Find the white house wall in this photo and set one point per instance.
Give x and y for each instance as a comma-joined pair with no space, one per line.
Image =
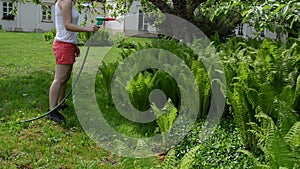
27,21
8,25
132,21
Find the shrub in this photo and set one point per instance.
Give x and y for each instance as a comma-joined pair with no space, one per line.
259,76
49,36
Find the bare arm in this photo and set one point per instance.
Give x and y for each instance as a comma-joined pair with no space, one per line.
66,8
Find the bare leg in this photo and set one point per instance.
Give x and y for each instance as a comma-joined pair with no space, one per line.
62,75
62,94
63,90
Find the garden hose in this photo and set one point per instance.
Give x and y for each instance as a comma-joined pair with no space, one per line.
68,93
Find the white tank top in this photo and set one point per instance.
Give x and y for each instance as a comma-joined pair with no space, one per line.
61,33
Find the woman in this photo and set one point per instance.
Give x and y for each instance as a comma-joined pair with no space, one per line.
65,50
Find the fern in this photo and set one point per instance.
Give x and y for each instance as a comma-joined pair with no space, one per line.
106,72
165,120
280,151
168,85
296,104
266,97
139,90
170,161
166,116
186,161
243,113
293,136
262,79
202,80
257,164
189,158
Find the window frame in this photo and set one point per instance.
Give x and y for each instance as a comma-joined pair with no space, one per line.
47,14
7,7
240,30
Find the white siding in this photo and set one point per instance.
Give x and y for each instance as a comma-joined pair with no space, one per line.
27,17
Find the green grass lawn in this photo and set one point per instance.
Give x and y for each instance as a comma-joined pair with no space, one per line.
26,72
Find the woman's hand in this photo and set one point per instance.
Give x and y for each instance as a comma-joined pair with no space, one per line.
77,51
95,28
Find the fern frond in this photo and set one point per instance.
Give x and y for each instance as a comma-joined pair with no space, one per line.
257,164
296,166
277,150
189,158
258,132
293,136
170,161
252,95
297,95
286,118
266,96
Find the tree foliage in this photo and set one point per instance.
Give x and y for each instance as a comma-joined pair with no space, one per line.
278,16
217,17
222,16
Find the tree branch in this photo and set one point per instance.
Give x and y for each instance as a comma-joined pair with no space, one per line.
180,8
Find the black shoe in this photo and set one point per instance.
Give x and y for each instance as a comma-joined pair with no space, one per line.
57,117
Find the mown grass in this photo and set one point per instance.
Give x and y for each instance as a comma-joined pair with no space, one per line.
26,72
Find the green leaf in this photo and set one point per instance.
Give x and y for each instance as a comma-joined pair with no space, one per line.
247,12
267,7
293,136
279,8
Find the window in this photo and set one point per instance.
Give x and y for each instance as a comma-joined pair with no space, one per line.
7,8
240,29
141,20
47,13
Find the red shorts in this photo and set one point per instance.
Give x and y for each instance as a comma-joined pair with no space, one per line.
64,52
